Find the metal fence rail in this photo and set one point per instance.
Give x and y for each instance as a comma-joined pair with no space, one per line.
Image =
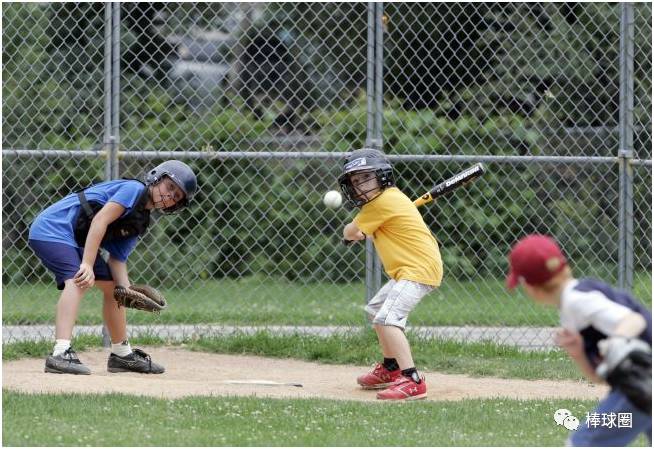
263,99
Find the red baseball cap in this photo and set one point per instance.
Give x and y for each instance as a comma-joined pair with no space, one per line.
535,259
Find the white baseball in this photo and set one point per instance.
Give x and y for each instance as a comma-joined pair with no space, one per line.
332,199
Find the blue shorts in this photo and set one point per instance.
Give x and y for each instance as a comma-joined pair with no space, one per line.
615,403
64,261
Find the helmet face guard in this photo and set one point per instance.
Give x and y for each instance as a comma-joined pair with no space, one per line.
181,174
367,160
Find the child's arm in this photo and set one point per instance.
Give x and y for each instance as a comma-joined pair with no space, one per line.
629,326
572,343
119,272
352,232
109,213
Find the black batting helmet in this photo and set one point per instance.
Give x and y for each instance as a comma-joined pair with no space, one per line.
361,161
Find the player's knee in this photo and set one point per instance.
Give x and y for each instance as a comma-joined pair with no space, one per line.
107,288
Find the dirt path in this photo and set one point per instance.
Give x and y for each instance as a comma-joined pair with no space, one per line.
201,374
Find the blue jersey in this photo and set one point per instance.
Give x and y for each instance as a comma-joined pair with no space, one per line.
593,308
57,222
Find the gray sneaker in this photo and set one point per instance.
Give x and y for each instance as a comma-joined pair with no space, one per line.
138,361
66,363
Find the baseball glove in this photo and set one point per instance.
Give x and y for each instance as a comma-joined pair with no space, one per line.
627,367
140,297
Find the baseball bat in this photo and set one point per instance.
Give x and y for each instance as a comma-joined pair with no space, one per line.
459,180
450,184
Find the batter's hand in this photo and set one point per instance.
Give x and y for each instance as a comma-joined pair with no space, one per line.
359,236
570,341
84,278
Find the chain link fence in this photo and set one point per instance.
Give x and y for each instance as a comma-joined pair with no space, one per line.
263,99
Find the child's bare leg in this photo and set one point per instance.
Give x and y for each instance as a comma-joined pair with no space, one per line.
115,318
382,342
122,357
67,308
395,345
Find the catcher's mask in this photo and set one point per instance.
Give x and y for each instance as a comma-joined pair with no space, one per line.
365,161
181,174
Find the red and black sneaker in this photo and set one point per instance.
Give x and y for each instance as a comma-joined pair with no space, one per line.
378,378
404,388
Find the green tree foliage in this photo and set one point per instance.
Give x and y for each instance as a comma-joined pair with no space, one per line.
448,67
53,75
255,216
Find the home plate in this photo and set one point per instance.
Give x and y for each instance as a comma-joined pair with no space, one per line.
270,383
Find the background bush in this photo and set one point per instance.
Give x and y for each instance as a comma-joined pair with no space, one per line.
253,216
266,215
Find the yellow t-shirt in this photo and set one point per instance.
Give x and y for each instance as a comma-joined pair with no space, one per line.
405,245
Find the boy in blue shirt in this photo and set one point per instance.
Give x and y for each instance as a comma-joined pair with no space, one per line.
592,314
67,237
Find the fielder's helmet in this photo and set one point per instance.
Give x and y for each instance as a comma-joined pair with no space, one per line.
181,174
365,160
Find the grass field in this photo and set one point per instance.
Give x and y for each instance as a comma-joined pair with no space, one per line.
100,420
476,359
78,420
117,420
255,301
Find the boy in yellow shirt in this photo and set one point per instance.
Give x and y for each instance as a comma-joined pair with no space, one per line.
411,258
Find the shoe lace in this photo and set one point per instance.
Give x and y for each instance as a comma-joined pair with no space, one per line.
144,355
71,356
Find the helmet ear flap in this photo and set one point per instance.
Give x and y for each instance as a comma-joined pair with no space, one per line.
152,177
385,177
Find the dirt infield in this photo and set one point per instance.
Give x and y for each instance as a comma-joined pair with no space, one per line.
201,374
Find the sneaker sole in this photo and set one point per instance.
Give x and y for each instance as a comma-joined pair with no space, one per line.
124,370
120,370
408,398
376,386
56,371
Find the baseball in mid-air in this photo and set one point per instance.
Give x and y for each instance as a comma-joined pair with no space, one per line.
332,199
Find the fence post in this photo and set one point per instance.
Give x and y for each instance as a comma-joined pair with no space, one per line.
111,88
370,124
111,102
108,144
107,90
379,110
626,149
374,97
115,88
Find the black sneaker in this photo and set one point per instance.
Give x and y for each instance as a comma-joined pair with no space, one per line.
138,361
66,363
